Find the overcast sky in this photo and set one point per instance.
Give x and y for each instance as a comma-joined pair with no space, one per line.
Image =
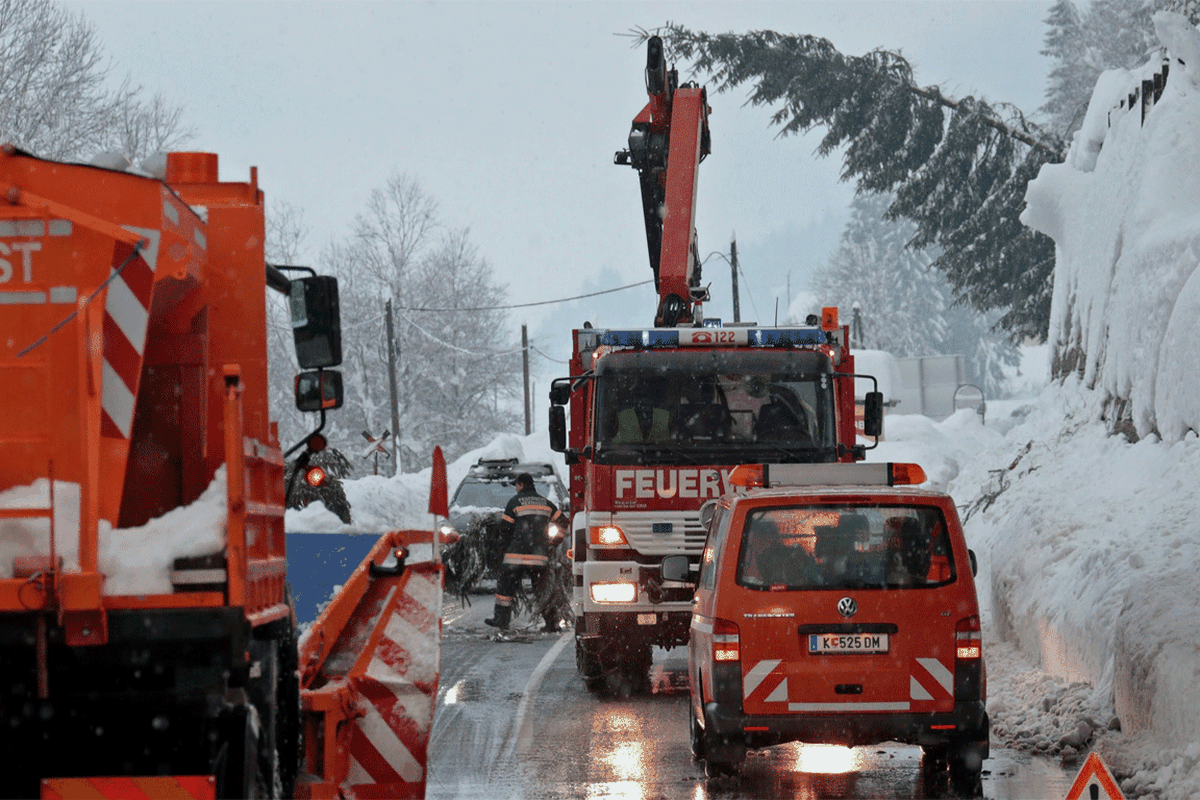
508,115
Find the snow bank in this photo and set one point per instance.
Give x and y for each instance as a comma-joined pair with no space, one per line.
1087,544
379,504
1124,212
26,537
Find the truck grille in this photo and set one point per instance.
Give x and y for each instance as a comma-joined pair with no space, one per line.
646,531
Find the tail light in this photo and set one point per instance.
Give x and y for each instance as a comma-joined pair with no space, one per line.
315,477
968,639
726,641
968,660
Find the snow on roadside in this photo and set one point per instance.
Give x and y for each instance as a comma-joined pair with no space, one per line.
1087,546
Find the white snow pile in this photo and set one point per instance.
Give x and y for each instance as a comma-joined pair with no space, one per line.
133,561
1123,212
379,504
30,537
139,560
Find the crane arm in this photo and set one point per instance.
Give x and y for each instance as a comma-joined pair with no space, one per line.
668,140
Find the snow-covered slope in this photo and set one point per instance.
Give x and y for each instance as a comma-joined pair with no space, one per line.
1124,212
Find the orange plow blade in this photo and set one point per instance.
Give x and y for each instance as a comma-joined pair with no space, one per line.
369,673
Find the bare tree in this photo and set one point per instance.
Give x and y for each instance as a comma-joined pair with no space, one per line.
144,128
57,96
457,370
285,234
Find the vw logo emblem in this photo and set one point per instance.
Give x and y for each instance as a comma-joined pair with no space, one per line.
847,607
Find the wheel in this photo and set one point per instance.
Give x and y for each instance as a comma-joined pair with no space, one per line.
720,769
588,665
697,733
722,757
287,736
966,767
236,764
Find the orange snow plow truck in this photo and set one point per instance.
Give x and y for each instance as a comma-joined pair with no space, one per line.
148,646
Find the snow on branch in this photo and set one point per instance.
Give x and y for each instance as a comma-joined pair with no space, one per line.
958,167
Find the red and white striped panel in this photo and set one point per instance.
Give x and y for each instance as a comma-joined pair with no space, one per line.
160,787
126,313
930,680
389,743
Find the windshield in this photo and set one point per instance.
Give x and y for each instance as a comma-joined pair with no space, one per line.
484,494
714,407
497,493
845,547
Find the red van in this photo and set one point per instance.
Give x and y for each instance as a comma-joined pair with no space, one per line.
835,604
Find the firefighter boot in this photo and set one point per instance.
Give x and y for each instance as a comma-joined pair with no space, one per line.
500,617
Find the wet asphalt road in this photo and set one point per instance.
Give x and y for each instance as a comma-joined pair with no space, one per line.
514,721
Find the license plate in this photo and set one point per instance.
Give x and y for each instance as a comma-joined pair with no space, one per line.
847,643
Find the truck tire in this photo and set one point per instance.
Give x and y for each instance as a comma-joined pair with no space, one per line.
287,721
587,662
696,732
966,767
236,768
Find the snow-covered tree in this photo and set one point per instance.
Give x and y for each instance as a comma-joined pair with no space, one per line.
1085,40
903,302
57,94
284,245
958,168
457,380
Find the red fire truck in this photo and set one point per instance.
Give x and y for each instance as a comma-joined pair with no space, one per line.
659,416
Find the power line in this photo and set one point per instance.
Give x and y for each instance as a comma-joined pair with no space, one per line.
527,305
549,358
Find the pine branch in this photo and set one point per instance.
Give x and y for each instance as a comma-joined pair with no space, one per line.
958,167
1052,148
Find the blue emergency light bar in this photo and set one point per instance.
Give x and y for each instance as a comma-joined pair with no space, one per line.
711,337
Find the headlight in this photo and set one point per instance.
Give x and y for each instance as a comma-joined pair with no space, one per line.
446,528
607,535
614,592
553,532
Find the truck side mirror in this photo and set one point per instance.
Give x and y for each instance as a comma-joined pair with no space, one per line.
558,429
316,321
560,391
319,390
675,568
873,414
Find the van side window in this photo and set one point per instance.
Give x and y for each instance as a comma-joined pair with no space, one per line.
718,533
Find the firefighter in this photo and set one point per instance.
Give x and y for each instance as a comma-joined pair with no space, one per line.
526,537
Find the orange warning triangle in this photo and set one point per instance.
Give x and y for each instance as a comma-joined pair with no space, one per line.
1094,770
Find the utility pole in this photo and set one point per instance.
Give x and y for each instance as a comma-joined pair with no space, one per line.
397,466
525,360
737,309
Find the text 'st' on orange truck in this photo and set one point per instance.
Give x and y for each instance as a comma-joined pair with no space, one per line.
835,604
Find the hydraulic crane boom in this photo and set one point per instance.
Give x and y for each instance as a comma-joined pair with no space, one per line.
667,142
